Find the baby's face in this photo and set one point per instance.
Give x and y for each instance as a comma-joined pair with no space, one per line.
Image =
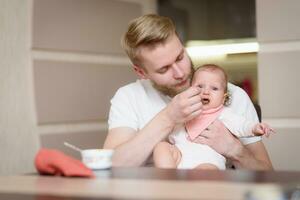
212,85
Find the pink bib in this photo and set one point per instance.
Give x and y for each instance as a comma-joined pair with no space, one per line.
195,126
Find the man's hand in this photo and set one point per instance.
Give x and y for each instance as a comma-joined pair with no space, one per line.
253,156
185,106
218,137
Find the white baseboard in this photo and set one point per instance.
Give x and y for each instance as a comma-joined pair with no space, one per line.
284,123
72,128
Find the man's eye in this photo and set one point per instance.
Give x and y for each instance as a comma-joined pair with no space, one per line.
179,58
200,86
215,88
163,70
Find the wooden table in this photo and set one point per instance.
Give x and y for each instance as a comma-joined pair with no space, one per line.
152,183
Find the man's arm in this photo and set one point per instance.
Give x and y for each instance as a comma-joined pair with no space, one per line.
132,148
251,156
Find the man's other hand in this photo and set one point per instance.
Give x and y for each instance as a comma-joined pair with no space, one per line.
218,137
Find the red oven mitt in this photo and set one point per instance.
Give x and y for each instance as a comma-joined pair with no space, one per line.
54,162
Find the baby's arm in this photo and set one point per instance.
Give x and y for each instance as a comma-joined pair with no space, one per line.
262,129
242,127
237,124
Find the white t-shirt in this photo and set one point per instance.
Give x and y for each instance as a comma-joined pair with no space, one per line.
135,104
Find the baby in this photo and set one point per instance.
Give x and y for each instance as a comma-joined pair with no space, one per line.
181,152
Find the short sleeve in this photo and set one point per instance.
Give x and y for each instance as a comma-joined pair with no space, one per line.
122,111
250,140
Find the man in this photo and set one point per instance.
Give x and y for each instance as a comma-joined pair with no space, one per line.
144,113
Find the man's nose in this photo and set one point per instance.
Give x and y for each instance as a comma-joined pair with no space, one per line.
177,71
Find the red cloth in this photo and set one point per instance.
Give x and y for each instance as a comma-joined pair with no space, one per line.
53,162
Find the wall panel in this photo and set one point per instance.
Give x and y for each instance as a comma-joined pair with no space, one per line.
81,25
278,20
70,92
283,148
279,80
19,141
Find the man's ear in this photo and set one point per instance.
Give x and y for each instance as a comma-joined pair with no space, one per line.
140,72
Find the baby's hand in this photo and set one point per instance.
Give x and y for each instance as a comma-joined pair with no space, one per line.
262,129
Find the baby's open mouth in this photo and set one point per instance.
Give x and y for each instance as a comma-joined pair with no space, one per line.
205,101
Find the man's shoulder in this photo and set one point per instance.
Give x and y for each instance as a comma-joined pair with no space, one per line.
234,88
239,98
139,89
130,86
236,91
134,87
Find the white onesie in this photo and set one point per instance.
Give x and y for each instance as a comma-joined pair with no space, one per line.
194,154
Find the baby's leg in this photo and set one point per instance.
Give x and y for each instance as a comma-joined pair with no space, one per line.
207,166
166,155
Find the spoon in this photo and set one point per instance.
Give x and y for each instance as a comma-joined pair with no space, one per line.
72,147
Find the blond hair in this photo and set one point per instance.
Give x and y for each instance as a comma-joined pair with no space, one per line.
147,30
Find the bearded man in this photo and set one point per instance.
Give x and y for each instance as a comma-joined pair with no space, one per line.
146,112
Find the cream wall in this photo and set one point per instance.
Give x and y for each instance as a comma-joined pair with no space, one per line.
19,139
78,66
278,33
60,63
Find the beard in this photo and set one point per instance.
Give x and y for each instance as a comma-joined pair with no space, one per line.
172,91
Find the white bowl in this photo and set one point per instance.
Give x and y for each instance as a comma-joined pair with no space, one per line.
97,158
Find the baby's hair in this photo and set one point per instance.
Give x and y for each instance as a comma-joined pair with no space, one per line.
212,68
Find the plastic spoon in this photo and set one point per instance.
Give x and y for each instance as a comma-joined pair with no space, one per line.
72,147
